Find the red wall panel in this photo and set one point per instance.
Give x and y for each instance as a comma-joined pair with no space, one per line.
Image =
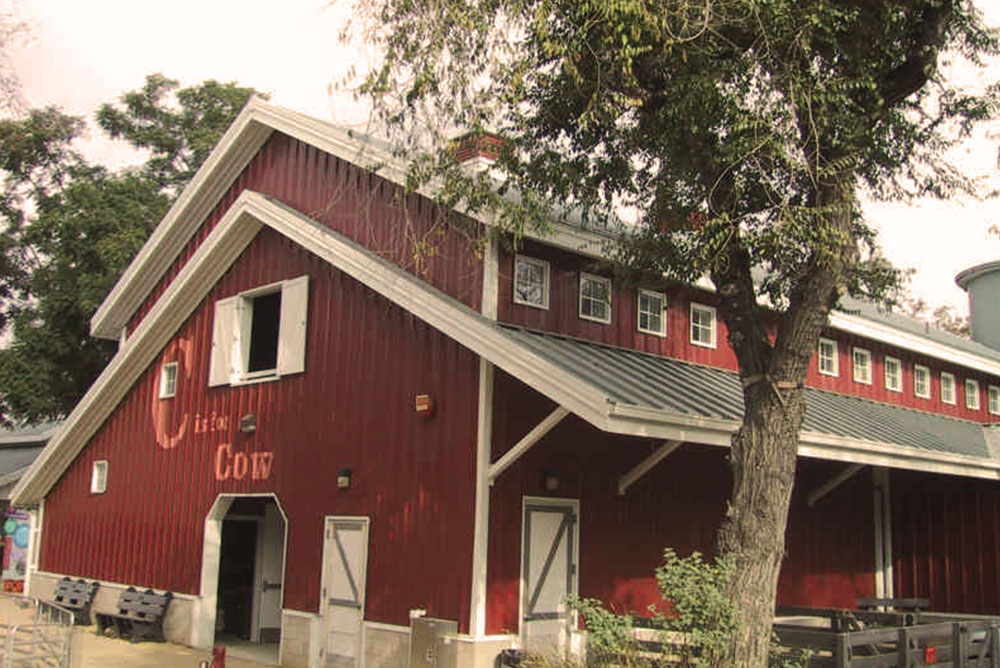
405,229
353,408
680,503
562,317
946,545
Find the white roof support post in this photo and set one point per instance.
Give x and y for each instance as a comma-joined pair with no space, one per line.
522,446
643,467
832,484
484,443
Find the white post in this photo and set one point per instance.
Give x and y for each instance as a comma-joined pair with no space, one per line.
484,443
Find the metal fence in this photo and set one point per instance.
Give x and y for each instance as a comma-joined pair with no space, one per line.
34,633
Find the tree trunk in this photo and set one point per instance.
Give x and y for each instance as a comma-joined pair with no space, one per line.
753,534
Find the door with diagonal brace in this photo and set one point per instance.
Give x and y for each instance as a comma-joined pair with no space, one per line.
345,566
548,573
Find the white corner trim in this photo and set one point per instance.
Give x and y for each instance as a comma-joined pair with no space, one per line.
886,334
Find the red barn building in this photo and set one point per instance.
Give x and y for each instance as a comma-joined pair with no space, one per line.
314,426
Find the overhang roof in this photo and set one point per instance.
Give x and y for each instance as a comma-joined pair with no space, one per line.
632,393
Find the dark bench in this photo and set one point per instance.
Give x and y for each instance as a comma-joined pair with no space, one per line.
76,595
138,615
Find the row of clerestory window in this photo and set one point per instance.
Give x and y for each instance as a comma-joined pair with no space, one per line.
861,372
532,287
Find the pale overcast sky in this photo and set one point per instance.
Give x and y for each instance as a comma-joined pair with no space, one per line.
83,53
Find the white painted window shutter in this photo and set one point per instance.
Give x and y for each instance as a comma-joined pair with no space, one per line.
292,331
223,342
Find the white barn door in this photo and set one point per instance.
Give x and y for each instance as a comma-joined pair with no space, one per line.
345,566
548,573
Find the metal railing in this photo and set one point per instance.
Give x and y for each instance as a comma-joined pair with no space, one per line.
34,633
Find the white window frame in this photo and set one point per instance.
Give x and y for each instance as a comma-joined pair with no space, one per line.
232,332
99,476
948,382
972,399
993,399
893,384
861,373
712,328
584,278
651,294
535,262
917,370
834,357
168,380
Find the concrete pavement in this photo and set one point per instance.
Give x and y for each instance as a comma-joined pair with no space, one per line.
93,651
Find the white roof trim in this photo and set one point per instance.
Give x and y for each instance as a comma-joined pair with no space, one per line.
883,333
240,225
234,151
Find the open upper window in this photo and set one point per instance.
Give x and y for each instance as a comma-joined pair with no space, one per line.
595,298
652,308
260,334
531,282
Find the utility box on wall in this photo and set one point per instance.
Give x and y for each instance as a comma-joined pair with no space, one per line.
425,635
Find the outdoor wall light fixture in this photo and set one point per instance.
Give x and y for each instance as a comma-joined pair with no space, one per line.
248,423
550,481
344,479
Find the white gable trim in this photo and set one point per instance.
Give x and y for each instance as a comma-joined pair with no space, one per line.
237,147
240,225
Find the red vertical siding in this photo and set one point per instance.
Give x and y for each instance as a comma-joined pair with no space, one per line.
405,229
945,541
680,503
353,408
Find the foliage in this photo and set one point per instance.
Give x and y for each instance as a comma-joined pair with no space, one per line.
71,228
12,30
733,134
179,127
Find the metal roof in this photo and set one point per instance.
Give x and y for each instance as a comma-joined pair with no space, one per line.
691,390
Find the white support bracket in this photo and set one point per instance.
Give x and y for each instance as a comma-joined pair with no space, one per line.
832,484
522,446
645,465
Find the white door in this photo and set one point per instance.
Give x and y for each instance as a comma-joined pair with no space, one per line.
345,565
269,575
548,573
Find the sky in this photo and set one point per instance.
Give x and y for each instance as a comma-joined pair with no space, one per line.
81,54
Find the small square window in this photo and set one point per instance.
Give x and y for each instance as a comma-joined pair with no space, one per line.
99,477
827,356
972,394
168,380
947,387
862,366
652,312
893,374
595,298
703,325
993,394
531,282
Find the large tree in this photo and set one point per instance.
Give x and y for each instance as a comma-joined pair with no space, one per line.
736,134
70,228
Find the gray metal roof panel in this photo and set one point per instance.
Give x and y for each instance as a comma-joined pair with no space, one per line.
14,459
649,381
